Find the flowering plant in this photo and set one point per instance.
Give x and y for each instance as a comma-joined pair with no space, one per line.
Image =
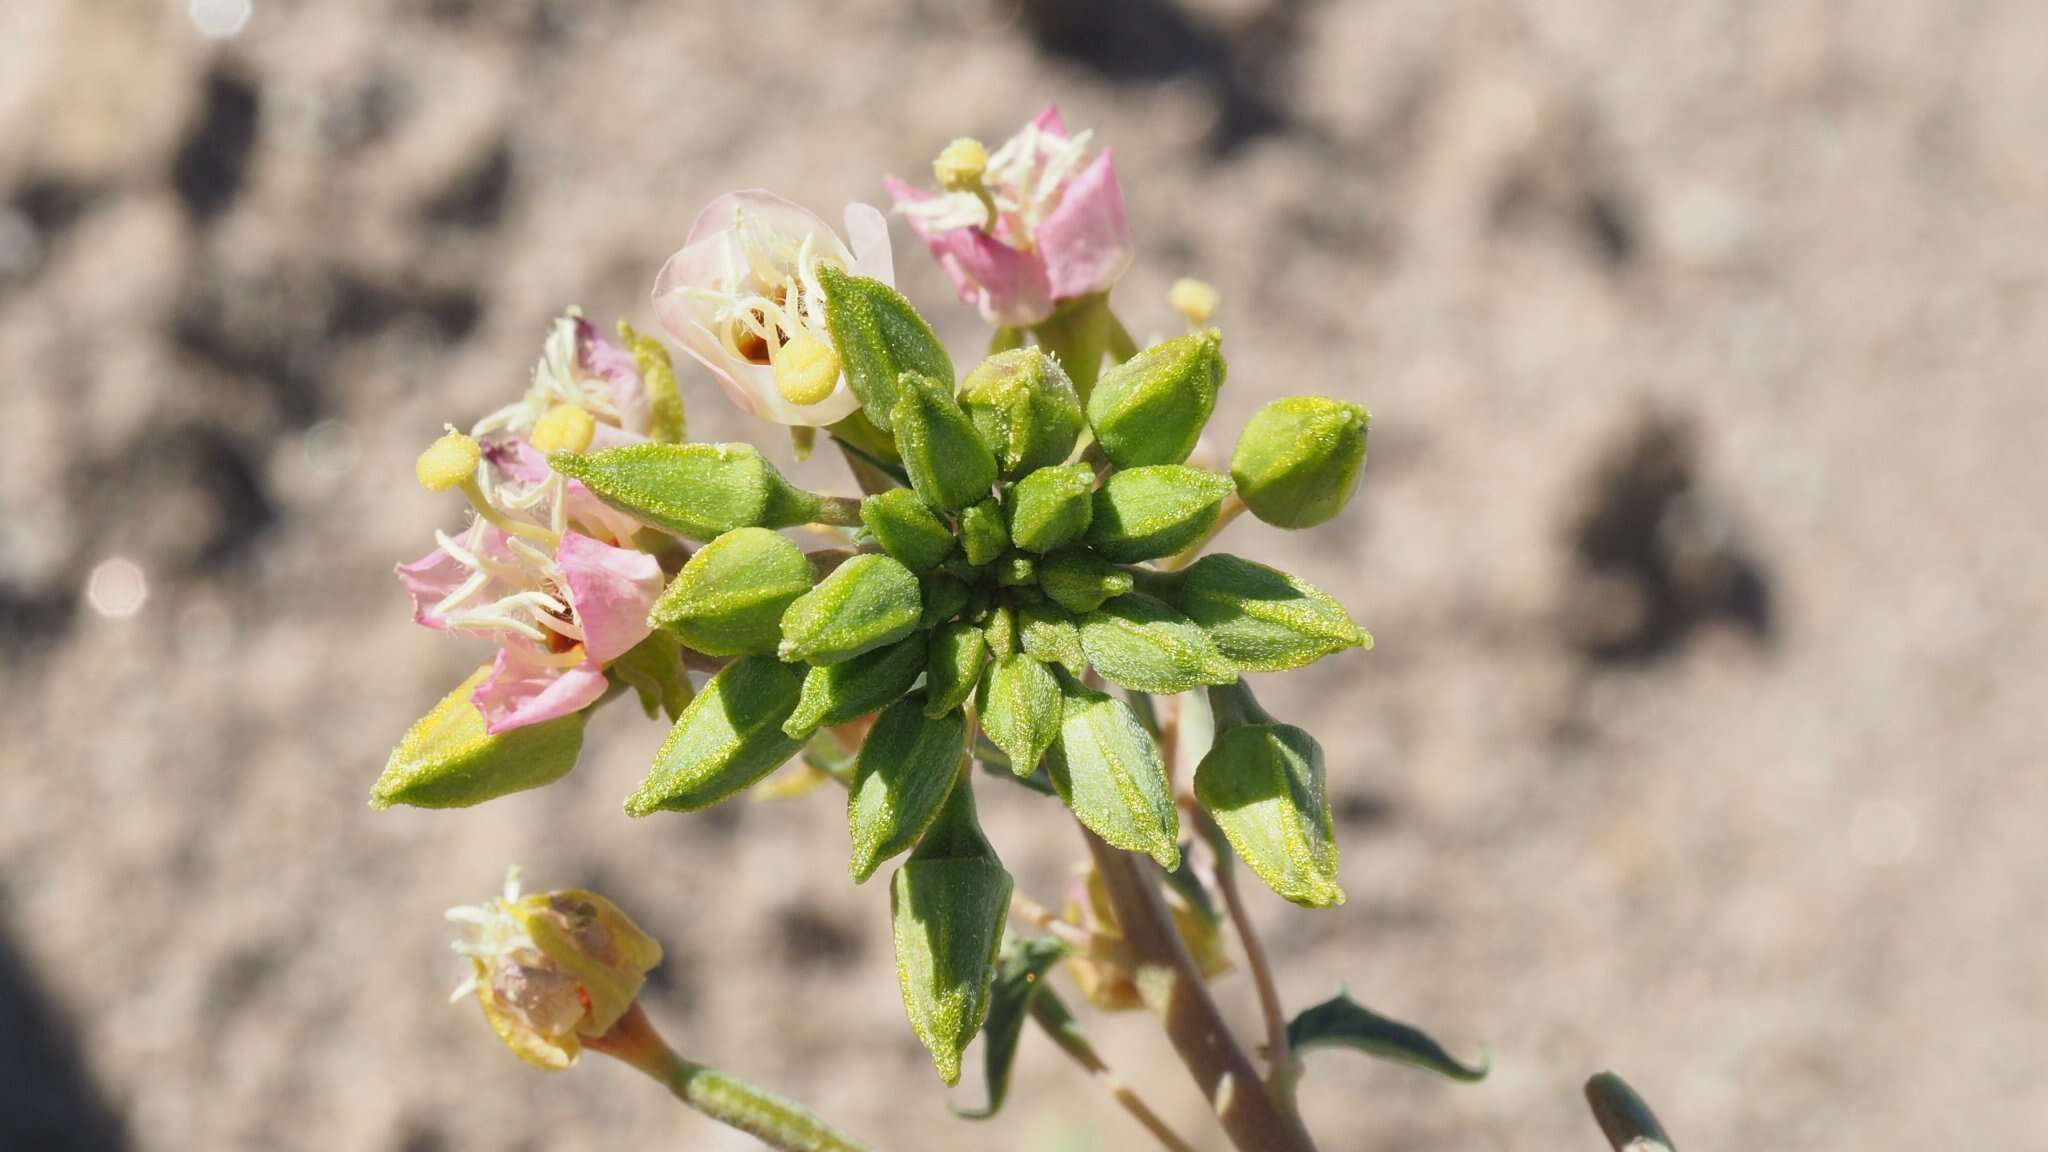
1021,595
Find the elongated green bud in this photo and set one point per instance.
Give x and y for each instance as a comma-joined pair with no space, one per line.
865,603
879,337
982,535
945,596
1107,769
907,529
953,666
948,903
1049,634
1020,709
1263,782
1000,631
1080,581
1262,619
1140,643
697,490
729,598
947,462
729,737
447,760
1150,409
1298,460
1052,507
836,693
1015,570
903,774
1025,409
1146,513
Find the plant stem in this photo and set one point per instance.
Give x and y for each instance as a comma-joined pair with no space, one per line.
1231,509
1040,917
1172,986
838,511
1052,1017
735,1103
1279,1061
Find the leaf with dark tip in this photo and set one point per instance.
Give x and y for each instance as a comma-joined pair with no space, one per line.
1020,977
1341,1022
1624,1118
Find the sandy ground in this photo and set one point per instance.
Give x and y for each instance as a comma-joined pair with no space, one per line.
1702,538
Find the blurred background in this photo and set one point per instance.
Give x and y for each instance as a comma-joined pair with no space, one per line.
1702,537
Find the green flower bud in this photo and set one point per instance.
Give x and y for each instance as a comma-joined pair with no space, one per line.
948,904
836,693
1050,635
1025,409
903,774
1264,620
701,491
1139,643
1016,570
865,603
1080,581
1108,771
1150,409
447,760
952,666
1052,507
1263,782
1298,460
1000,631
945,596
729,599
1020,709
947,462
907,528
982,535
879,337
654,670
729,737
658,377
1146,513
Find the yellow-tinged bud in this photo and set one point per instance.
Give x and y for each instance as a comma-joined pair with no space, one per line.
565,428
1195,299
806,370
448,462
961,164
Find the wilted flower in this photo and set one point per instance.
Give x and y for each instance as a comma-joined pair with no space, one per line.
743,298
1024,228
1107,982
552,970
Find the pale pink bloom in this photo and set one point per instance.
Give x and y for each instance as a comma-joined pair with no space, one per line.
1059,231
745,284
557,619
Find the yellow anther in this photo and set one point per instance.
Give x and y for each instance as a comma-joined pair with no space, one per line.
961,165
448,462
565,428
806,370
1195,299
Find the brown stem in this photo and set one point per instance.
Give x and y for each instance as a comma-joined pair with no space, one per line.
1058,1025
1279,1061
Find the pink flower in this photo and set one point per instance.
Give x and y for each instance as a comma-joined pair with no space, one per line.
557,618
743,298
1034,228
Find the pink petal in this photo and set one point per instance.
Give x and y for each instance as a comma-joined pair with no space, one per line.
1048,120
779,214
621,372
521,691
516,460
428,581
611,590
867,233
1008,286
1085,241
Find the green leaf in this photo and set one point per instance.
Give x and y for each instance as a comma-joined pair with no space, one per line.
1263,784
879,337
1080,581
729,598
905,771
1021,968
696,490
1151,408
1050,635
945,596
1138,642
1025,409
866,603
1624,1118
654,670
1342,1022
447,760
907,529
1107,769
837,693
1298,460
982,535
1146,513
953,666
947,905
658,377
729,737
947,462
1020,707
1262,619
1052,507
